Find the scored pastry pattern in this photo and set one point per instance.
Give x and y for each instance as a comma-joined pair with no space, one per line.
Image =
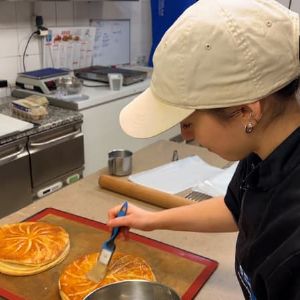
32,243
74,285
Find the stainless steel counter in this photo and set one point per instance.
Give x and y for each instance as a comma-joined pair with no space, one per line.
37,162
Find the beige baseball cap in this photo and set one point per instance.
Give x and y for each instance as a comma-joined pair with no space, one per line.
218,53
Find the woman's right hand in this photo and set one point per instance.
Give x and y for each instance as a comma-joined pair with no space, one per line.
135,218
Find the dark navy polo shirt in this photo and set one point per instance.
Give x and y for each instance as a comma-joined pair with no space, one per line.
264,198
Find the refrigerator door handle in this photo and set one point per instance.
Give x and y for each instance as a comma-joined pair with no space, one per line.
11,156
55,140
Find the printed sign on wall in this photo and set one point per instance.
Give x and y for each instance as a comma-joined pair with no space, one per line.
69,47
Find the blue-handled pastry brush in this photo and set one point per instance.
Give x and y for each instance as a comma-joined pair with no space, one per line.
97,273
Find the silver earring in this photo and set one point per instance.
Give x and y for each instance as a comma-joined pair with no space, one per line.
249,128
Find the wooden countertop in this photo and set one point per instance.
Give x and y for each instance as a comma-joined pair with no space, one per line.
87,199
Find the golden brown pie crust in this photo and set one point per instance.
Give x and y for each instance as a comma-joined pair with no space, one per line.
74,285
31,247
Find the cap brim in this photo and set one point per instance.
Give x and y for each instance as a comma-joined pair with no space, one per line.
147,116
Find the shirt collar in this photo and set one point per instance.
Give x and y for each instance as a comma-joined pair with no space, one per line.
264,174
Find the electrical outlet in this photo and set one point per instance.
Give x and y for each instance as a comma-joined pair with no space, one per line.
3,83
41,29
3,88
39,21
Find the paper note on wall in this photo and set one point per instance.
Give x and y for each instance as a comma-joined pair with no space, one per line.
69,47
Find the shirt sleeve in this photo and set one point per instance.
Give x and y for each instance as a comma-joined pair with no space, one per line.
233,194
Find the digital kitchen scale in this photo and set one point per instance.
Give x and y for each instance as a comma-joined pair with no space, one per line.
41,81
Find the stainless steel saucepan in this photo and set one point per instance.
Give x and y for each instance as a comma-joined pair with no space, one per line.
133,290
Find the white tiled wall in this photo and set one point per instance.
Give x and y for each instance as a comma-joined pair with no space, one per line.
17,20
17,23
284,2
295,4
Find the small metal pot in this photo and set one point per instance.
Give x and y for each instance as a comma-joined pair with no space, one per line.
120,162
68,85
133,290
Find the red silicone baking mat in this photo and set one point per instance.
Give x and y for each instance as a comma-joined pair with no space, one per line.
181,270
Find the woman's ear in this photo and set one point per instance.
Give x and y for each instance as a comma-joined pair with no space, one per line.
252,112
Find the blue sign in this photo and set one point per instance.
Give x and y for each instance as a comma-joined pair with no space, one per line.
164,14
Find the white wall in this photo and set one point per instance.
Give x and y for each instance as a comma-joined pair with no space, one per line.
140,15
17,20
284,2
295,4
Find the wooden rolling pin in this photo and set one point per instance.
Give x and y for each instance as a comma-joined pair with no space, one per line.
140,192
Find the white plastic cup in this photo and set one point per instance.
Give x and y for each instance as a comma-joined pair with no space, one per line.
115,81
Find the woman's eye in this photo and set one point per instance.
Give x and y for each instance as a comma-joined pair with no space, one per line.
186,125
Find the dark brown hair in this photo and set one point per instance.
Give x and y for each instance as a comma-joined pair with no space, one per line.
288,91
281,97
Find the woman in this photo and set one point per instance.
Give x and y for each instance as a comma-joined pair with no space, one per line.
228,71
